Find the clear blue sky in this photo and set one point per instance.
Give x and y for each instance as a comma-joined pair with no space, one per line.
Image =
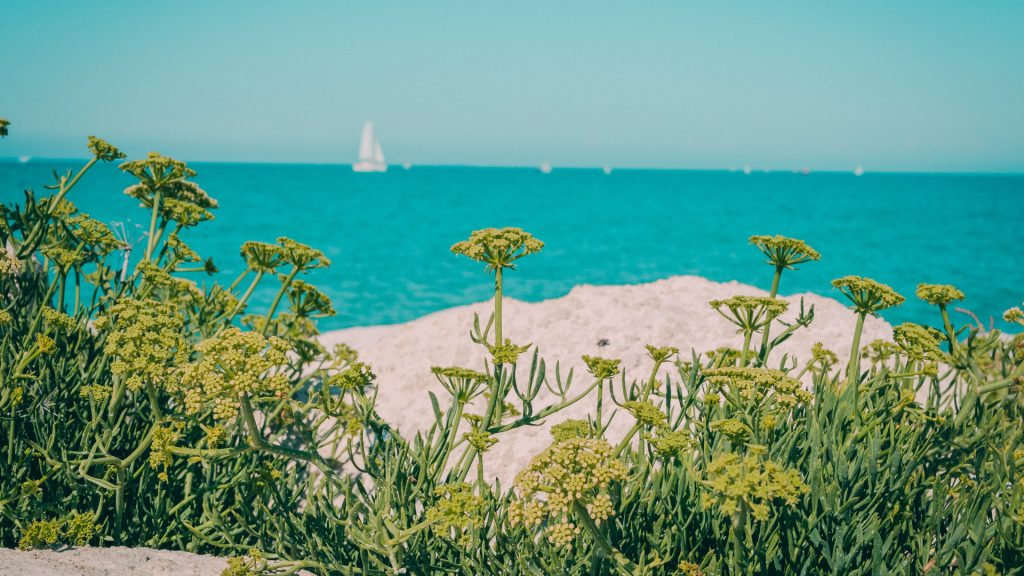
921,86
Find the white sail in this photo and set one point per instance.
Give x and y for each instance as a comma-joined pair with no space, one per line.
371,157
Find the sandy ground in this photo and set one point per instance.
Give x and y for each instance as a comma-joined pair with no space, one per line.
671,312
116,561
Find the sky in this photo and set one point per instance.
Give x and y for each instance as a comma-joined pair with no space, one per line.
891,85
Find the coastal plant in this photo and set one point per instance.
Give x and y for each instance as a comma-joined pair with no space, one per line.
141,408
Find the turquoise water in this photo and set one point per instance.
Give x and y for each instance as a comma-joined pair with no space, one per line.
389,234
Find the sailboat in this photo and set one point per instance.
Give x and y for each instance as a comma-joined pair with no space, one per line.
607,169
858,171
371,157
545,167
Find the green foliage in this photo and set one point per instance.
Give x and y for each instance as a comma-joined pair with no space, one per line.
180,418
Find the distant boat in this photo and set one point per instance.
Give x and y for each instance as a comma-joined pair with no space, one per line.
746,169
858,171
24,159
805,170
607,170
406,165
545,167
371,158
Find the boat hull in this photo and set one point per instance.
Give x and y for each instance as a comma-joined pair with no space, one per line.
369,167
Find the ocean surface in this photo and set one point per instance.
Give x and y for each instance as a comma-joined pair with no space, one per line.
389,234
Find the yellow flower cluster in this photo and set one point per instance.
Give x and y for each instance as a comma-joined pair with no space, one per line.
456,508
920,343
602,368
480,439
45,344
1014,314
645,413
748,481
145,340
9,265
823,356
59,321
570,471
261,256
302,256
498,247
181,251
867,295
308,301
750,312
737,432
573,428
879,351
164,438
93,233
103,150
507,353
755,384
357,376
230,364
670,443
659,355
938,294
784,252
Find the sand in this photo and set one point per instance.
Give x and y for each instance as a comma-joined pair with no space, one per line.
115,561
671,312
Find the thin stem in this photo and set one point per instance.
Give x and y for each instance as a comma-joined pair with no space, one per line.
150,244
747,334
497,306
853,370
767,328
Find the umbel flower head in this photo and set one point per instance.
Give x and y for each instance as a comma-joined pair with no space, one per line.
1015,315
230,364
938,294
785,252
823,356
103,150
181,199
646,413
756,384
262,257
867,295
919,342
507,353
145,340
94,234
602,368
573,471
498,247
750,313
748,481
301,256
662,354
572,428
455,510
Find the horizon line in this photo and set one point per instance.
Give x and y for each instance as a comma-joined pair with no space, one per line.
399,167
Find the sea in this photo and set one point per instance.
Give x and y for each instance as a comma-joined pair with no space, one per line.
388,235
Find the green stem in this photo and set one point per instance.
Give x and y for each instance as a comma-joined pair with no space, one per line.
497,307
767,328
853,369
150,244
747,334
